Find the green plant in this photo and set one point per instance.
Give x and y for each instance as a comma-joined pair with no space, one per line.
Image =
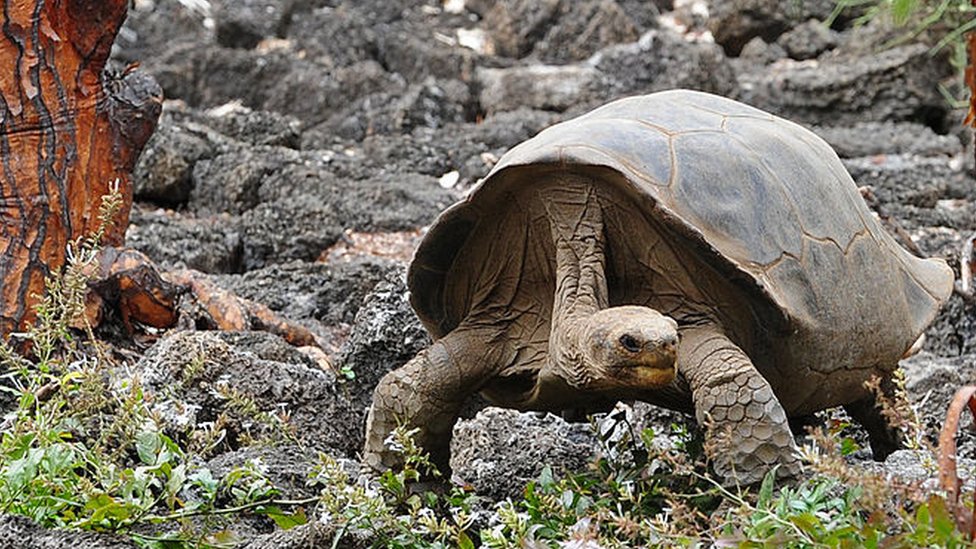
840,506
392,510
814,514
956,16
257,424
346,373
644,490
950,19
81,449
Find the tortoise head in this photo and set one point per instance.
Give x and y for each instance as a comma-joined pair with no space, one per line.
629,348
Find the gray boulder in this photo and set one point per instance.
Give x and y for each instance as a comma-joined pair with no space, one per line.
324,298
734,22
899,84
758,52
499,451
254,127
415,53
174,240
334,36
386,334
864,139
21,532
244,23
230,180
280,81
544,87
153,27
195,376
663,59
163,173
808,40
917,191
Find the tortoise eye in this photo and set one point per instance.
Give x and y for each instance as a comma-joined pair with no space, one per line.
630,343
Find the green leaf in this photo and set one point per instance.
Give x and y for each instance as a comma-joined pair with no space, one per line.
58,458
105,510
871,537
171,447
848,446
807,522
901,10
766,489
546,478
223,538
148,444
21,446
285,521
567,499
204,479
922,517
463,541
175,482
22,471
942,523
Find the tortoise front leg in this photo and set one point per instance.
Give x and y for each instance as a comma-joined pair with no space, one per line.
747,432
427,393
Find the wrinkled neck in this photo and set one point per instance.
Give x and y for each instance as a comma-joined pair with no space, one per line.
575,218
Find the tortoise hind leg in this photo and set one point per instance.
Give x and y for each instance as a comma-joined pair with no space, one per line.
885,437
428,393
747,432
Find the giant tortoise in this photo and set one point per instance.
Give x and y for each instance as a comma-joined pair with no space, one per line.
677,248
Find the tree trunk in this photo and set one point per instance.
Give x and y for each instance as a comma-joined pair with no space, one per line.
970,76
66,134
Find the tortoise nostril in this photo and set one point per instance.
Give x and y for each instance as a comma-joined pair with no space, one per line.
630,343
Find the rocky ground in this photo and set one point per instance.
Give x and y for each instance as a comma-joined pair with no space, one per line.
305,145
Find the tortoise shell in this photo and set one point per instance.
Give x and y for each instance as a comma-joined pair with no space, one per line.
763,201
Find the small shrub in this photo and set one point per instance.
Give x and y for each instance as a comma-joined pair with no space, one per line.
391,510
80,450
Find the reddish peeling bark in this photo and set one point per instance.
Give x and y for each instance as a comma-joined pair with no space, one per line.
66,133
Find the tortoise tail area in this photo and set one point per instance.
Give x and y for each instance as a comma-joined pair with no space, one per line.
928,285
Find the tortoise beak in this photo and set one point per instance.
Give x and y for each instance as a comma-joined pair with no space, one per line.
656,354
654,366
